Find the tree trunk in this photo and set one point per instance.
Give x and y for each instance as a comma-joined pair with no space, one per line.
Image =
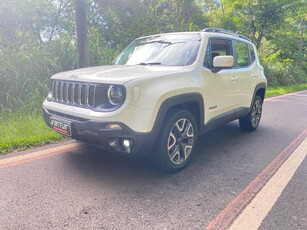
260,35
254,30
300,49
211,14
81,33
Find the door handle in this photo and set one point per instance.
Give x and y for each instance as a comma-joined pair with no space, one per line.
254,75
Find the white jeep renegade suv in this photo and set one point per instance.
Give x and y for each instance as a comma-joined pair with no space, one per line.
160,94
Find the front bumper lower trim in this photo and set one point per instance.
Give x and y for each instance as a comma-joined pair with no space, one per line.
98,134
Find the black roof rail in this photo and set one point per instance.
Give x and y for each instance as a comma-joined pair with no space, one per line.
216,30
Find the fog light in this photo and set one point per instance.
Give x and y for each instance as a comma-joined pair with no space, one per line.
127,144
113,142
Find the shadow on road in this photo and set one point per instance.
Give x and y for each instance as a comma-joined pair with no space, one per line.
100,166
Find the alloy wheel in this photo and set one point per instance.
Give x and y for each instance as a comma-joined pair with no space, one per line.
180,141
256,113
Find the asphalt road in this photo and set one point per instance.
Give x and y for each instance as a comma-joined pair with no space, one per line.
89,189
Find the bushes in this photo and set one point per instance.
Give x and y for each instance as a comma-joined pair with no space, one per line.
25,72
280,68
278,73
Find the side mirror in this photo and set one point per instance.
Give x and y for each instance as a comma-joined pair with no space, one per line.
222,62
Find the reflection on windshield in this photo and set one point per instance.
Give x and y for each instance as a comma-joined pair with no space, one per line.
165,50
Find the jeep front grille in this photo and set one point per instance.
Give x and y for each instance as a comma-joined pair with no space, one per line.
73,93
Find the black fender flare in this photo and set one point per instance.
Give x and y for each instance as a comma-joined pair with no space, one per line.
261,85
177,101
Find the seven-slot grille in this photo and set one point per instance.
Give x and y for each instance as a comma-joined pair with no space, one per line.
74,93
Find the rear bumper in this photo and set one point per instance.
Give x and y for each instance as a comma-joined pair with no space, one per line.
95,133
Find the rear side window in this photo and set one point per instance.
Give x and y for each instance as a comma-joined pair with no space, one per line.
242,54
252,53
217,47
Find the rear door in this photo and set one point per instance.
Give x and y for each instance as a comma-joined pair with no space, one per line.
244,65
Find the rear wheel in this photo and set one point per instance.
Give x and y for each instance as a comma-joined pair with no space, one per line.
177,141
251,121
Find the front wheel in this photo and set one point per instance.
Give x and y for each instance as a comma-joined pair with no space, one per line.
177,141
251,121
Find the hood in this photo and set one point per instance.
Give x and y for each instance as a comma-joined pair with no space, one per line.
116,74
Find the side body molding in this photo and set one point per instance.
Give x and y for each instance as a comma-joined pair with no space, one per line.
196,99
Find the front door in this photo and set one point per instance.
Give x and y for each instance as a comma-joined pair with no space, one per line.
221,89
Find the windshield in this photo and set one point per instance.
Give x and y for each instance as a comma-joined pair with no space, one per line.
165,50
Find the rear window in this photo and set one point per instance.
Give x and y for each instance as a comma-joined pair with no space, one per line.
251,48
242,54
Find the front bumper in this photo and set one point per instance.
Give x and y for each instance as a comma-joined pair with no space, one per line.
96,133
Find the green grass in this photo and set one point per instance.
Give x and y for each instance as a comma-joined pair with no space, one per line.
25,130
278,90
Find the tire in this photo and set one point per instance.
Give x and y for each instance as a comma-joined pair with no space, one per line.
251,121
176,144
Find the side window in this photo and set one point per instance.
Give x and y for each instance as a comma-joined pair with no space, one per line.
242,54
217,47
252,53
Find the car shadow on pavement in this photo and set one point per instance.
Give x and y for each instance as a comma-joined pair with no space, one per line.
100,166
101,161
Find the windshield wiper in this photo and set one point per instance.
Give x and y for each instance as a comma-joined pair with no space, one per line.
149,63
150,42
172,43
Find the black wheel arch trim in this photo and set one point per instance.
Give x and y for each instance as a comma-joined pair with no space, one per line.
177,101
262,85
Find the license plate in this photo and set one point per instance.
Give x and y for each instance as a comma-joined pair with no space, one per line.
60,126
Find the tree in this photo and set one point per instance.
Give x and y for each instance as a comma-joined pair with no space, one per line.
81,22
256,18
300,49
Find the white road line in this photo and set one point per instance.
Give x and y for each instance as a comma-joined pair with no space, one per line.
253,215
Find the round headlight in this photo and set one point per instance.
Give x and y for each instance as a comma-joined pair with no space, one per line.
116,95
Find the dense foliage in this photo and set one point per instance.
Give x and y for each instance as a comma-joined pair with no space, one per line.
37,37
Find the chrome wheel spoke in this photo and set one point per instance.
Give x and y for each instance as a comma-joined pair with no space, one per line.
253,111
257,119
175,153
180,125
259,109
171,140
257,104
253,121
188,131
186,147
